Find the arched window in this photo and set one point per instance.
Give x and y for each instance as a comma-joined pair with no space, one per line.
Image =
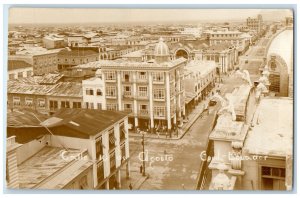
99,92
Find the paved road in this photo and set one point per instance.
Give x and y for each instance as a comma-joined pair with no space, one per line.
175,163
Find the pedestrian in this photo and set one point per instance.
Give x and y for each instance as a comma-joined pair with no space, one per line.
183,186
130,186
141,169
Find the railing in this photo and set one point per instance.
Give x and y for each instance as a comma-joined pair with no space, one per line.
127,94
144,112
11,141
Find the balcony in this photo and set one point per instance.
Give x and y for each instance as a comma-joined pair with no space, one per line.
127,80
160,82
111,96
127,94
11,141
143,112
142,96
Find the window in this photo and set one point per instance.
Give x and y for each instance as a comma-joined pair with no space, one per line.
76,105
41,103
83,184
99,106
16,101
144,109
112,139
111,107
89,91
142,75
272,178
29,73
127,90
112,162
65,104
99,92
11,76
28,102
111,91
100,172
159,94
128,107
110,75
99,148
20,74
126,76
143,91
123,152
159,111
53,104
158,77
122,132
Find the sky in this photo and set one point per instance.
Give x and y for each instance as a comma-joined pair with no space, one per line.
85,15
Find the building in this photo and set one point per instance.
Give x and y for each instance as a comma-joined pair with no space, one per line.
192,31
153,91
45,94
255,24
272,139
224,35
73,149
42,60
252,143
53,42
93,94
199,80
83,40
19,69
280,64
67,58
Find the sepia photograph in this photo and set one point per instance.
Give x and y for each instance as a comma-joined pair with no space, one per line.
135,99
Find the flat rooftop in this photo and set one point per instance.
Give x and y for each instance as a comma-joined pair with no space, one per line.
48,162
272,133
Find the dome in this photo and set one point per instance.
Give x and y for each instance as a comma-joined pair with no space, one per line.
161,49
282,45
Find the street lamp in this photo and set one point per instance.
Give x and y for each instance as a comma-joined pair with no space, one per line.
143,144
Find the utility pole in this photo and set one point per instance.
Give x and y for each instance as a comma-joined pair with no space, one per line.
143,144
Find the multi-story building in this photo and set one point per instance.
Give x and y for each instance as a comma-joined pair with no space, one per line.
67,58
45,94
19,69
87,149
255,24
153,92
199,78
43,61
93,92
53,42
192,31
224,36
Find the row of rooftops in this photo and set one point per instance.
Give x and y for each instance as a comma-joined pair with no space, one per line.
48,85
124,63
78,123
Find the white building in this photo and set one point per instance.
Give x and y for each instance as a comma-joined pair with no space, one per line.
94,92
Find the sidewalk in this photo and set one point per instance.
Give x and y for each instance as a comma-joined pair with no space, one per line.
136,180
192,117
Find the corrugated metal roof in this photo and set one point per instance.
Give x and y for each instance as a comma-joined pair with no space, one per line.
84,121
67,89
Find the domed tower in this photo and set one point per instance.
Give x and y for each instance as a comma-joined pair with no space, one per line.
161,52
